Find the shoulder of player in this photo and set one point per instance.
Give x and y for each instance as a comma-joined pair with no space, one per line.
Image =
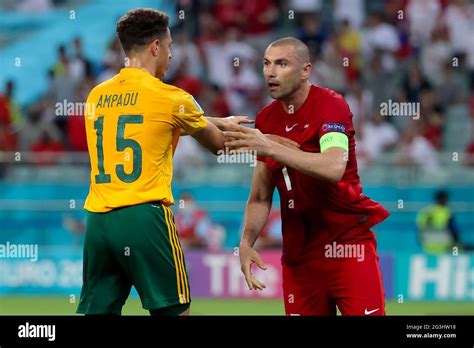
102,86
172,90
176,94
329,97
331,104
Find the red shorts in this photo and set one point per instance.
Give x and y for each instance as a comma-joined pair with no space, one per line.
345,275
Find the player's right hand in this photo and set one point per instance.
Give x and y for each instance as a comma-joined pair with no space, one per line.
248,256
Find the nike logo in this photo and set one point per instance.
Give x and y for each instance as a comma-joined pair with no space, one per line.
288,129
155,206
367,312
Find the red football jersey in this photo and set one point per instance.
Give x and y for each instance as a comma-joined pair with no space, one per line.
316,212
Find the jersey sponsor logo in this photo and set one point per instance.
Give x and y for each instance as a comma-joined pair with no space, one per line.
289,129
367,312
333,127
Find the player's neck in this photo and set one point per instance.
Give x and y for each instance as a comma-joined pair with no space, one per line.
138,63
297,99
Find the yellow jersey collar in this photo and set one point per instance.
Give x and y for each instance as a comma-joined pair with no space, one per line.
134,71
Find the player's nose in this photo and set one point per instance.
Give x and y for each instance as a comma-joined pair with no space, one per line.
270,73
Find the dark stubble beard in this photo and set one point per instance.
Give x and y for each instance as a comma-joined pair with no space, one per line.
294,88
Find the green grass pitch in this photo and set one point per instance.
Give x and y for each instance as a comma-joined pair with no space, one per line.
36,305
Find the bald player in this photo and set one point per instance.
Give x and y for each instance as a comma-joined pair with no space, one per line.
329,252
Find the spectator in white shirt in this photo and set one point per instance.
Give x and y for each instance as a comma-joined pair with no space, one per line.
422,15
229,47
185,50
381,36
353,10
378,135
435,54
416,150
360,101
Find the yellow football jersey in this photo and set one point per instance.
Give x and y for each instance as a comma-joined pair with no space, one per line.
132,129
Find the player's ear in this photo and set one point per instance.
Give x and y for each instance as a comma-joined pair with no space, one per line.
307,67
155,47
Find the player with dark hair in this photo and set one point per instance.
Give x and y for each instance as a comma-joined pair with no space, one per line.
329,253
132,132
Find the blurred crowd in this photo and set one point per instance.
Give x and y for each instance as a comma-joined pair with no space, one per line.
372,52
197,230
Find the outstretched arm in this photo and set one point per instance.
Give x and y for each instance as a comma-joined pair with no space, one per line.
329,165
222,122
256,215
211,138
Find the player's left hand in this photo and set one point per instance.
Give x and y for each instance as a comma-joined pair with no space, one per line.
248,139
283,141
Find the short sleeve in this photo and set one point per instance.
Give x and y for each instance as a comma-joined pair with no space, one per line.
188,114
336,127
